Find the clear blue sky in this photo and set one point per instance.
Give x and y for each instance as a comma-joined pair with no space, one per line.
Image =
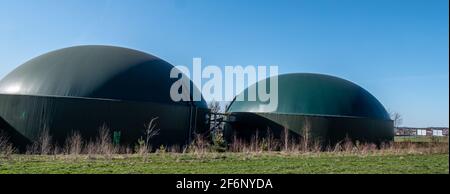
396,49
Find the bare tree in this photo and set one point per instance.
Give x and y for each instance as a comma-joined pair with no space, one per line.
227,106
306,134
397,118
143,146
215,107
151,130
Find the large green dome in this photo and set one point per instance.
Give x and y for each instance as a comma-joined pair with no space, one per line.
85,87
316,95
94,71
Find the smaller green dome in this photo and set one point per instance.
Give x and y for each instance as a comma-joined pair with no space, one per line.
316,94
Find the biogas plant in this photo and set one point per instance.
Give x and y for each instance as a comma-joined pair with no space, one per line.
85,87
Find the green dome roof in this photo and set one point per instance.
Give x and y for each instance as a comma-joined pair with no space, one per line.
316,94
99,72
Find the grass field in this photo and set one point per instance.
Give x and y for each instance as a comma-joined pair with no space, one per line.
421,139
404,156
229,163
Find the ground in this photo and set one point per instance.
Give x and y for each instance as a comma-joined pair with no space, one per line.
229,163
421,139
412,155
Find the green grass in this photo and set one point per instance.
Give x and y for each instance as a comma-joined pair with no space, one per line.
228,163
418,139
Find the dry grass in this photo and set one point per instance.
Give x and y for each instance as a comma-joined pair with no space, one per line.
102,146
199,147
347,146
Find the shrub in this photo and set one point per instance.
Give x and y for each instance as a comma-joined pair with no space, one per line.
43,145
219,144
6,148
74,144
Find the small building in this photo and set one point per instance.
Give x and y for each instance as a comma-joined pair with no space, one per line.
430,131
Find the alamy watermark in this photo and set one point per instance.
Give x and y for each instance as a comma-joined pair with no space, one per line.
225,85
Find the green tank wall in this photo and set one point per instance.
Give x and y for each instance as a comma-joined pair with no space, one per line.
28,115
323,129
329,107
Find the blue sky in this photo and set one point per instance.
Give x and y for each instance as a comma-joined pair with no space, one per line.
396,49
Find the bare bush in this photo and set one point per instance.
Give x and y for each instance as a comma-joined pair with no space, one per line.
365,148
316,146
272,143
104,141
285,139
255,142
102,145
347,145
337,147
151,130
199,146
237,144
161,150
306,134
74,144
6,148
143,145
175,149
128,150
91,148
218,141
43,144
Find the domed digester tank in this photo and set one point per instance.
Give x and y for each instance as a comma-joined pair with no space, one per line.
85,87
324,108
